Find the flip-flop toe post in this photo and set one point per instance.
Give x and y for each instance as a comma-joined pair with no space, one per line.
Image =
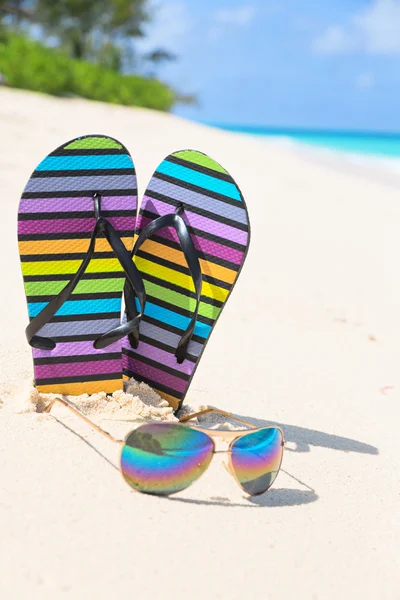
78,201
191,206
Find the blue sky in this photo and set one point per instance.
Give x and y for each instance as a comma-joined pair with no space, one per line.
302,63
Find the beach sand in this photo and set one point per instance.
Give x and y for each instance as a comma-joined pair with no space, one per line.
310,339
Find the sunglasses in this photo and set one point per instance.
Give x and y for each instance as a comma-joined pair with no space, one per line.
166,458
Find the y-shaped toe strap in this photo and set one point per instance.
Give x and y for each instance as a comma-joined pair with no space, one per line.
173,220
133,281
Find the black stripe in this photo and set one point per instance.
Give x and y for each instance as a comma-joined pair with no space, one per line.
75,318
82,173
196,188
200,168
93,296
89,152
208,257
176,288
154,384
78,193
199,211
201,234
179,268
167,327
180,311
73,216
59,360
63,257
73,235
67,278
161,367
77,379
159,345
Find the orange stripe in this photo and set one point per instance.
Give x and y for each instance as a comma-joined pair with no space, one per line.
87,387
177,257
172,401
67,246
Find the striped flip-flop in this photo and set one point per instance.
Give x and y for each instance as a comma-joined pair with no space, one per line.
73,280
193,196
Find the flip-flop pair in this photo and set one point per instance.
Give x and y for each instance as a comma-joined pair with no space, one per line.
77,223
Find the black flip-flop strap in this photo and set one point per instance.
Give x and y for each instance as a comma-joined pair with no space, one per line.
173,220
134,281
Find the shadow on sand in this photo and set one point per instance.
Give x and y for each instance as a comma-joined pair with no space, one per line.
304,439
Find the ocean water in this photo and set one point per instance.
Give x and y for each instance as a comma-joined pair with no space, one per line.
364,143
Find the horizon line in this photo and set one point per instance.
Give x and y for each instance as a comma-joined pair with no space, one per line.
279,130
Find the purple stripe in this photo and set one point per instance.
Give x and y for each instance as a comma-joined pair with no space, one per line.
162,357
201,244
108,203
160,377
71,225
213,226
75,349
77,369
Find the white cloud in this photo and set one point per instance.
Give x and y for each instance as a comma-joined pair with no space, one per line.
365,81
242,15
169,28
380,26
375,29
334,40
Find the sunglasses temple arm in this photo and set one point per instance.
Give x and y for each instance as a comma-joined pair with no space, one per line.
214,410
77,413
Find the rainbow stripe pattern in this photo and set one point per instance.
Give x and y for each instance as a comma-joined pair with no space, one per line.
55,221
217,219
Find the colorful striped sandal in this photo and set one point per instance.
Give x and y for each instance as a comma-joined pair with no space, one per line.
73,276
193,237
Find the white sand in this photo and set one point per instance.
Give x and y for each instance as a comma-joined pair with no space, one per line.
309,339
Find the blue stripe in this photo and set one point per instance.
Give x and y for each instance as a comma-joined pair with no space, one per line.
79,307
84,163
174,319
200,179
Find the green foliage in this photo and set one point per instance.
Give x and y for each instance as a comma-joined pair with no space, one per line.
29,65
83,27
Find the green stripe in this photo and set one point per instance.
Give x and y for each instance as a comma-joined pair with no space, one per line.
92,143
181,301
200,159
87,286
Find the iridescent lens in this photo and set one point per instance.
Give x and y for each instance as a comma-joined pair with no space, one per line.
256,459
164,458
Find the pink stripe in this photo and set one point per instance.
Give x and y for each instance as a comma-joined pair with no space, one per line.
159,376
76,349
212,226
77,369
44,226
108,203
162,357
202,245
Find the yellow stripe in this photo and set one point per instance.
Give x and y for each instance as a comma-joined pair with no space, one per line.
176,256
179,279
76,389
67,246
66,267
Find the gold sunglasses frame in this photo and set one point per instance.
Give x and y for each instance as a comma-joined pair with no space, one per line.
228,435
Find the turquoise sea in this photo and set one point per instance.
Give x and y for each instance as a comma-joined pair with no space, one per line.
367,143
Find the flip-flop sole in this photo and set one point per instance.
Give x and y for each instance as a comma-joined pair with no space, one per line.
55,221
217,219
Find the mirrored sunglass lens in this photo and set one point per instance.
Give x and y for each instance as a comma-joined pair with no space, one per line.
256,459
164,458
